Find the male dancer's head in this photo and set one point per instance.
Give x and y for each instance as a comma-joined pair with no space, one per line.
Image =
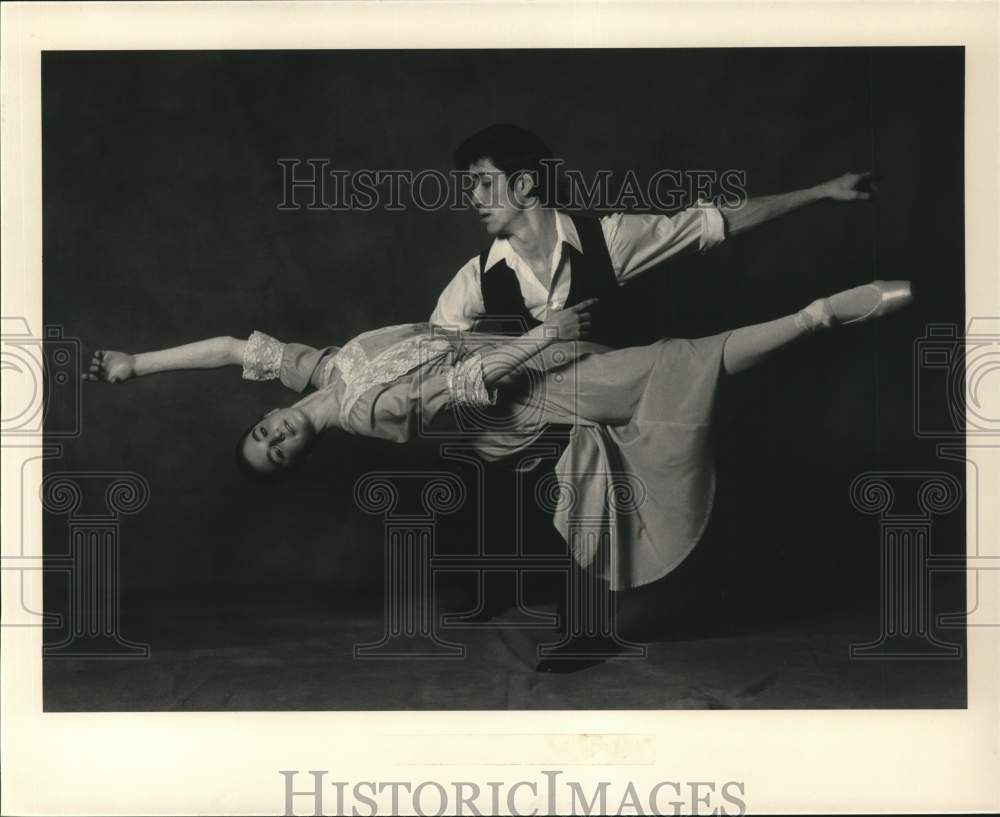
513,171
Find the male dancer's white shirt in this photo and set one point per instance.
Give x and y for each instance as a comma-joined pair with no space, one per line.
635,243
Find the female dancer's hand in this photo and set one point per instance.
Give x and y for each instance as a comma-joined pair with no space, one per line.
571,323
111,367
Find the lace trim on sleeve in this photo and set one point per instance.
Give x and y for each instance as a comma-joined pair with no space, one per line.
262,357
466,385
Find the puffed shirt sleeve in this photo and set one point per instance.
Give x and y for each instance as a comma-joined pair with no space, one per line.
638,242
462,300
267,358
300,364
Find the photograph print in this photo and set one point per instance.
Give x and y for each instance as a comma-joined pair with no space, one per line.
555,379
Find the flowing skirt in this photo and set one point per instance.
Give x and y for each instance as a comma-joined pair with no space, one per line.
633,490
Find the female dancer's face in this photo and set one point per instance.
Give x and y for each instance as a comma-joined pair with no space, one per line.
278,439
497,202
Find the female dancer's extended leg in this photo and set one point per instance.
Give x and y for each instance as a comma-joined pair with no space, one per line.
748,345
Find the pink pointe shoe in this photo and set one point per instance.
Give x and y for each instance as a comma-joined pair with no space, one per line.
856,305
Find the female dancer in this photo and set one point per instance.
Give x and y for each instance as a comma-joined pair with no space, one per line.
641,413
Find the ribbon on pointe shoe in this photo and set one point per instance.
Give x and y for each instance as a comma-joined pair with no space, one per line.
818,315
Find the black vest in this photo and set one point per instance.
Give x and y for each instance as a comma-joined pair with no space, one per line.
593,276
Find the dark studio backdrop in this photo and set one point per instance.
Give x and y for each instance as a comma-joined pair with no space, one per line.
161,226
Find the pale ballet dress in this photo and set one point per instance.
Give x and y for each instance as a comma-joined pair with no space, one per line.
638,466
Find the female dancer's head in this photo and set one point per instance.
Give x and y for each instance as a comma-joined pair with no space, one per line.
276,444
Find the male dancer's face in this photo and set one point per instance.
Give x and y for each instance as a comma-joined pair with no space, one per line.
498,203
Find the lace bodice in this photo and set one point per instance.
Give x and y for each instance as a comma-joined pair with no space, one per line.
376,358
361,373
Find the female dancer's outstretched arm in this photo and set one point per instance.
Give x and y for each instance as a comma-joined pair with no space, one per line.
213,353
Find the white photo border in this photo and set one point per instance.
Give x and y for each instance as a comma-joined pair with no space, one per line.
796,761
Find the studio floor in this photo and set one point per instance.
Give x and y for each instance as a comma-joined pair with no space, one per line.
258,650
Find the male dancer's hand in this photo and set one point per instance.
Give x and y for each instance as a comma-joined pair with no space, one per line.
503,362
571,323
849,187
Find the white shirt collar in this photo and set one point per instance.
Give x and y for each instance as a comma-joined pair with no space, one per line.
566,234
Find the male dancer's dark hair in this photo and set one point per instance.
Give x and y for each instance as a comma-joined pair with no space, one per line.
513,150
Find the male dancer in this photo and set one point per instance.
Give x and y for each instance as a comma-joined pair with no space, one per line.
542,259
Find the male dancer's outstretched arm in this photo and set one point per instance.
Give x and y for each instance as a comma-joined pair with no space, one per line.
636,243
761,209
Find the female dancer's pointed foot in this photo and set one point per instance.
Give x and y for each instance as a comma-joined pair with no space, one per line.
856,305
